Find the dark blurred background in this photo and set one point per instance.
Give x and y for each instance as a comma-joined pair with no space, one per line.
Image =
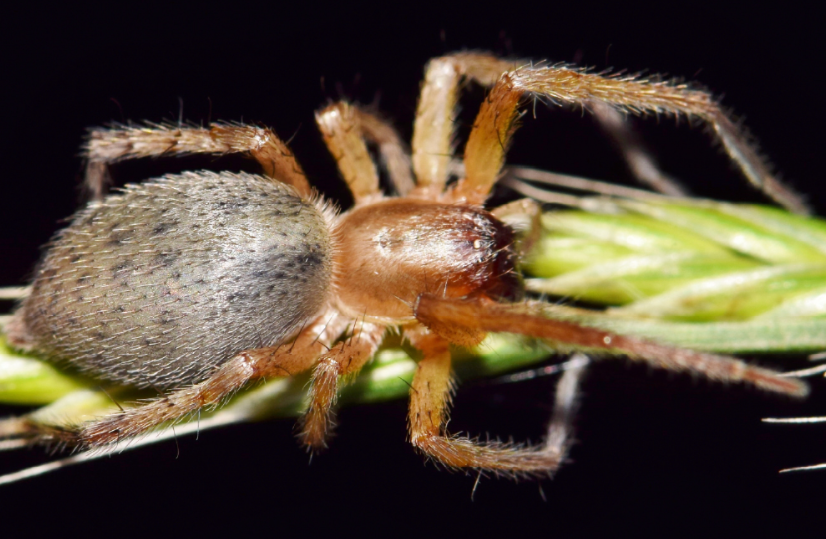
656,454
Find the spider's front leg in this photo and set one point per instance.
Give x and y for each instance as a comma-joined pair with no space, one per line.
465,317
523,216
512,81
430,397
464,321
498,116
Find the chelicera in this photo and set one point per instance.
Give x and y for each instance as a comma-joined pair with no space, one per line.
196,284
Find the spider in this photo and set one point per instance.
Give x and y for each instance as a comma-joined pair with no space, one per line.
199,283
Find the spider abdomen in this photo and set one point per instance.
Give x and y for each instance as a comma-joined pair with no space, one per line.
159,284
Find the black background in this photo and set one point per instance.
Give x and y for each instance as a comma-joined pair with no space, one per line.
656,454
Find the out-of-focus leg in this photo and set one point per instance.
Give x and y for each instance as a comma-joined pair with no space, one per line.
523,216
640,162
395,157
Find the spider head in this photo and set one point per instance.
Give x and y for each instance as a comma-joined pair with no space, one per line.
390,252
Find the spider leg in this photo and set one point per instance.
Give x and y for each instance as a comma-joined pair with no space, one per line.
523,216
274,361
395,157
430,397
14,292
639,161
497,121
450,317
346,358
339,125
346,128
433,129
110,145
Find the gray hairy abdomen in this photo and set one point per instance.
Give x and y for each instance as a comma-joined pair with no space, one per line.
158,285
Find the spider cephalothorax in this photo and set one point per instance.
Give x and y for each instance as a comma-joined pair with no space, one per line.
201,282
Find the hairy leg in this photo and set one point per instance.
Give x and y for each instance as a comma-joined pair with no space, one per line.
433,128
473,315
339,125
430,397
498,119
345,358
275,361
346,129
395,157
105,146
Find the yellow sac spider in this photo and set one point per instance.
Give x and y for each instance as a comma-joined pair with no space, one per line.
198,283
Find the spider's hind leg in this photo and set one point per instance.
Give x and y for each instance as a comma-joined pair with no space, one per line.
510,84
275,361
105,146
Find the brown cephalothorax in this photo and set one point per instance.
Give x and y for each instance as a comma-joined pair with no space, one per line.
198,283
395,250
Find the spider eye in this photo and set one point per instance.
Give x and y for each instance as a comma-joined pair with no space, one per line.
504,281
